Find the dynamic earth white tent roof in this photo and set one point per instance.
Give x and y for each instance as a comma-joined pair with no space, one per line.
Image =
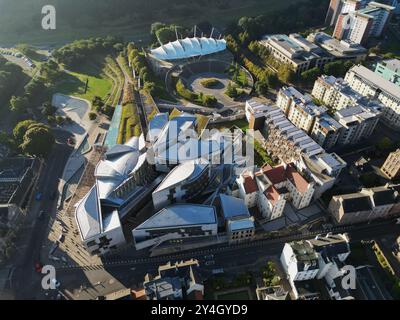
189,47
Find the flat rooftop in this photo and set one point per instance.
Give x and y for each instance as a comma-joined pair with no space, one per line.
376,80
180,215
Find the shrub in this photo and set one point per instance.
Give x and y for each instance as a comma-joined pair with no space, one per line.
209,101
92,116
231,91
210,83
60,120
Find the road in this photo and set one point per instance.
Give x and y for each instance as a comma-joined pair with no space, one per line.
33,237
93,281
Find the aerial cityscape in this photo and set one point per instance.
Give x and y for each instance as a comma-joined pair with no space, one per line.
250,152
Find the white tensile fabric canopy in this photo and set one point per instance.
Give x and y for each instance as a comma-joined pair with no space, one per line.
189,47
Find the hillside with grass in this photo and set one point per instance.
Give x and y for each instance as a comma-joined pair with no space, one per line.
20,21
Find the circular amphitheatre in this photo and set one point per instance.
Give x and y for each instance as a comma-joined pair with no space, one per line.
218,79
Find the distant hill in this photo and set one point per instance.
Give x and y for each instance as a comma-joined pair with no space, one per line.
20,20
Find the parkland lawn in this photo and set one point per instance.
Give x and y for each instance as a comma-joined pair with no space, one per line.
73,82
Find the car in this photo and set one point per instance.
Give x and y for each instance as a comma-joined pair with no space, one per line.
38,267
209,263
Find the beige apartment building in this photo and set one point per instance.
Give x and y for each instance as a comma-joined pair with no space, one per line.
391,167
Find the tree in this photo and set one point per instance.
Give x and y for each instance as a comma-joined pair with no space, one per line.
231,91
209,101
11,75
35,91
155,26
335,68
167,34
19,104
244,38
311,75
205,27
149,87
51,120
60,120
6,140
261,87
92,116
374,50
286,74
27,50
38,141
48,109
50,72
107,110
385,144
272,80
20,130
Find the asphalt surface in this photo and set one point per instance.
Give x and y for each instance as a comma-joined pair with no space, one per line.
94,281
33,238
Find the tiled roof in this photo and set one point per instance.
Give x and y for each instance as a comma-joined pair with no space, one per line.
249,184
280,174
276,175
272,194
299,182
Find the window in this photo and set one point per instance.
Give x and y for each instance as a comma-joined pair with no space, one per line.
91,243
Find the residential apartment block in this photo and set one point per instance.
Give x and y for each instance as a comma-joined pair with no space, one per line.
389,70
285,141
338,94
179,281
373,86
323,169
358,23
335,92
326,131
255,113
391,167
269,188
366,205
318,260
299,108
357,123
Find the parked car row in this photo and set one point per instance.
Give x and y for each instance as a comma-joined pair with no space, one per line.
19,55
